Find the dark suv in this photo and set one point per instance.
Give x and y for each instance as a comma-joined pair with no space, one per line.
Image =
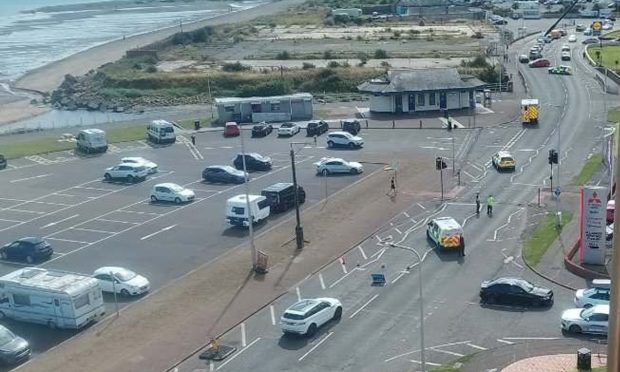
351,126
261,130
281,196
253,161
223,174
27,249
2,162
316,128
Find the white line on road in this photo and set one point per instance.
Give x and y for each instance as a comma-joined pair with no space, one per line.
5,220
418,350
157,232
363,306
531,338
414,221
30,178
477,347
243,339
427,362
398,231
239,353
315,346
344,268
211,366
93,230
406,214
321,281
298,293
117,221
447,352
65,195
25,211
272,311
362,252
505,342
67,240
421,206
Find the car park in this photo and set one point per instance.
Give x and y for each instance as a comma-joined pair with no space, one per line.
126,171
138,160
253,162
171,192
91,141
590,40
514,291
597,294
565,56
540,62
344,139
161,131
29,249
3,162
281,196
231,129
594,319
351,126
572,39
307,315
262,130
13,349
316,128
445,233
288,129
223,174
327,166
122,281
523,58
561,70
237,209
503,160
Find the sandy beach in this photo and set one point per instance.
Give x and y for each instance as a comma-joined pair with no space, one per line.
48,77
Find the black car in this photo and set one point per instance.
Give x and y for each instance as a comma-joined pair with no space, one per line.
2,162
262,130
27,249
223,174
316,128
351,126
514,291
253,162
13,349
281,196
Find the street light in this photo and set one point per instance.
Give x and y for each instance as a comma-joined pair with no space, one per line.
422,355
247,205
299,230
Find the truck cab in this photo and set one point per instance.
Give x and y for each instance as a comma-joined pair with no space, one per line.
281,196
91,141
445,233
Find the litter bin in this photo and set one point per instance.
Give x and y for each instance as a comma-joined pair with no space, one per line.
196,124
584,359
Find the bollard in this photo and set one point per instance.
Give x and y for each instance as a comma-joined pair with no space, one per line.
366,123
193,140
458,173
539,196
393,124
196,124
420,123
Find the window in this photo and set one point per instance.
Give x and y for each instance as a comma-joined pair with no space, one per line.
238,210
263,204
431,99
421,99
81,301
275,106
229,108
256,107
20,299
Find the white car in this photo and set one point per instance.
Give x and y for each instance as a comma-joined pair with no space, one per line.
344,139
138,160
572,39
327,166
566,48
125,282
171,192
288,129
597,295
591,320
128,172
306,316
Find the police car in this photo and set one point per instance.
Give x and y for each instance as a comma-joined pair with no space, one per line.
445,233
503,160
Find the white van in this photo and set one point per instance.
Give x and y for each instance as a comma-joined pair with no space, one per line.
92,140
161,131
55,298
236,209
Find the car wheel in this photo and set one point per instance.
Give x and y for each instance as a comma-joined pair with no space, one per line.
177,200
325,172
353,171
125,293
29,259
2,315
130,179
574,329
330,144
311,330
587,306
351,145
153,198
337,314
107,176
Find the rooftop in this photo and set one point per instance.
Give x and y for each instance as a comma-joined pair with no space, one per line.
232,100
52,280
419,80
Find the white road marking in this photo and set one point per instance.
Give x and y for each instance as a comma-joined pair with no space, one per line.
94,189
92,230
363,306
400,275
243,339
5,220
238,353
67,240
298,292
418,350
477,347
59,221
272,311
226,147
427,362
321,281
362,252
157,232
406,214
421,206
211,366
531,338
398,231
138,212
117,221
25,211
505,342
315,346
65,195
344,268
506,224
414,221
447,352
30,178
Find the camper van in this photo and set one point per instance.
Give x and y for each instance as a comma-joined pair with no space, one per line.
57,299
91,140
161,131
236,209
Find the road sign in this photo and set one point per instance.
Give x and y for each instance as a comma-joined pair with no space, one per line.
557,191
596,25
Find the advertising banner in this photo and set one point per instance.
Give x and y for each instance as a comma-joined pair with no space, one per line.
593,224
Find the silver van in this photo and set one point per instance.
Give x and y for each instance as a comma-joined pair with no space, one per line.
92,141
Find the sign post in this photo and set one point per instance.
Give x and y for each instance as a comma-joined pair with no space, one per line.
592,220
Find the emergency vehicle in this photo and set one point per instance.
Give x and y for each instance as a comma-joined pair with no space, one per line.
529,111
445,233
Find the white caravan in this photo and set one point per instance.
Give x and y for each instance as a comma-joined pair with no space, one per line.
161,131
236,209
57,299
92,140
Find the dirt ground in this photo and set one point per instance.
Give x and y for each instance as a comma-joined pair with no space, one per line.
169,324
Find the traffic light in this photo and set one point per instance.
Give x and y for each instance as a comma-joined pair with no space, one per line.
553,156
440,163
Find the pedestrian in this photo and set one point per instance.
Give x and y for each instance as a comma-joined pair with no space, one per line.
193,137
393,186
490,203
478,204
461,246
315,140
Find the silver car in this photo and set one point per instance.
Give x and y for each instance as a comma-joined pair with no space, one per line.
594,319
327,166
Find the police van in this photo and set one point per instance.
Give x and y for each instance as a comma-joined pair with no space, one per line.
445,233
161,131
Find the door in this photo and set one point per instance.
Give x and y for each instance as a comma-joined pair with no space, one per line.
411,102
598,323
13,250
442,101
165,193
105,280
398,103
324,313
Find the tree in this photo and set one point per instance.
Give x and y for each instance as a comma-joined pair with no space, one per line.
380,54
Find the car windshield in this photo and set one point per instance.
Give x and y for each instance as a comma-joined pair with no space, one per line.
124,275
6,336
176,188
293,316
229,169
506,159
526,286
586,313
287,125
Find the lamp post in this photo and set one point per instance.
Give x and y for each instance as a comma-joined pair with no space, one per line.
299,230
247,204
422,353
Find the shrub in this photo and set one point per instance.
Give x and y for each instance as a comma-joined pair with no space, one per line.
328,54
307,66
333,64
267,88
234,67
151,69
380,54
283,55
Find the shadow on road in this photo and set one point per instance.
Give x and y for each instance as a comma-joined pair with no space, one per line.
296,342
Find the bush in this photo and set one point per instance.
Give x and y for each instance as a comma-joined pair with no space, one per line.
234,67
283,55
267,88
380,54
363,58
328,54
151,69
341,19
333,64
307,66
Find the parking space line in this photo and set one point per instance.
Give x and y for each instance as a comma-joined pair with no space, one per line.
448,352
406,214
5,220
157,232
505,342
298,293
243,339
30,178
477,347
25,211
116,221
59,221
315,346
321,281
92,230
67,240
93,188
427,362
398,231
65,195
363,306
362,252
272,311
421,206
239,353
37,202
138,212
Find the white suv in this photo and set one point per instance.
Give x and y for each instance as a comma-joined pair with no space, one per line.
125,171
344,139
306,316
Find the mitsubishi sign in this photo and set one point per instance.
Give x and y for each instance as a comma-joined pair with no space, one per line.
593,225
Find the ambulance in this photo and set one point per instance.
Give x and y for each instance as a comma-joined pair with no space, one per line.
530,109
445,233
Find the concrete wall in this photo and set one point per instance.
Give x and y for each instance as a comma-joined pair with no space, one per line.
386,104
382,104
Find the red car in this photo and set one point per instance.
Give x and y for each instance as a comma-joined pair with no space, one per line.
540,62
231,129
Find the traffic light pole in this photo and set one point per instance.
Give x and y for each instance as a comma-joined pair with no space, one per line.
441,178
551,176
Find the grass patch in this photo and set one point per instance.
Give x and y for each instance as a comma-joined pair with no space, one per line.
613,114
542,238
610,54
591,166
204,122
454,366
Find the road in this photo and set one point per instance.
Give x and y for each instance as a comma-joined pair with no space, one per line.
379,329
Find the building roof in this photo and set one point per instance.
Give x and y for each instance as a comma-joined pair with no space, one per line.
419,80
233,100
51,280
